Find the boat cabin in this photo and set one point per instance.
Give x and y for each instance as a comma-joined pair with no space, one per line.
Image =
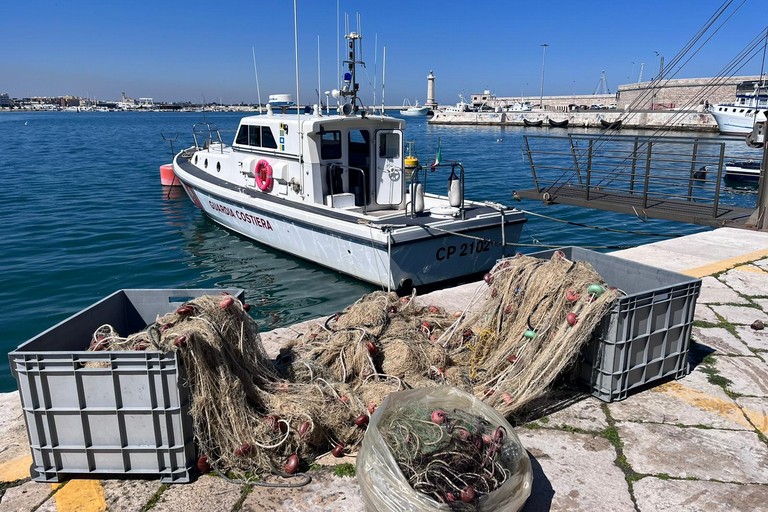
353,162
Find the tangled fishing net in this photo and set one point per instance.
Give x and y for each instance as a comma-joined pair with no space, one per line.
253,414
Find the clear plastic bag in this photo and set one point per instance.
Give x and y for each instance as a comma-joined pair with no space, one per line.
384,487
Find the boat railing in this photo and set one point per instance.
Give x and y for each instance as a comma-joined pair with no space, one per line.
674,178
206,134
334,178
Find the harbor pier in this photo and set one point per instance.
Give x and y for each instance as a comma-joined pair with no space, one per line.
697,443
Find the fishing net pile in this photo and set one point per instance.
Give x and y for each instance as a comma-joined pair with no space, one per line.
451,456
254,414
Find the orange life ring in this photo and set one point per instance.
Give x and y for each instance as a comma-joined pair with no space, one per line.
263,176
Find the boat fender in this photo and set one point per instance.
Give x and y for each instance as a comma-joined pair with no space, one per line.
263,176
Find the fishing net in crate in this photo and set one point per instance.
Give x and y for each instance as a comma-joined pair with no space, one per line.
254,415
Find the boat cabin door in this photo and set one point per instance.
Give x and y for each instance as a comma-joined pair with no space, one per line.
390,179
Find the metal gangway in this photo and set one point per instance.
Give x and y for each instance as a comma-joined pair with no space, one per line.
650,176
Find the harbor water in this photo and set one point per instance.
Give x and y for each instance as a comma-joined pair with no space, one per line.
83,215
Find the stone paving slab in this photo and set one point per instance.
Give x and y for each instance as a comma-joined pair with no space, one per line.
756,411
586,414
326,492
746,282
574,472
698,453
666,495
704,313
720,341
25,497
662,257
129,495
740,314
714,291
756,340
691,401
206,493
748,375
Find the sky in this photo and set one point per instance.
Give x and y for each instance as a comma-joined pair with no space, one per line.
204,51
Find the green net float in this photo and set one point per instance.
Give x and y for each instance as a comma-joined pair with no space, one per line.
596,290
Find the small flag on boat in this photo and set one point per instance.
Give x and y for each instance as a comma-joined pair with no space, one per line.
438,156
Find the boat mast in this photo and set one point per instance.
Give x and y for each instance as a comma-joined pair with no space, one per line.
350,86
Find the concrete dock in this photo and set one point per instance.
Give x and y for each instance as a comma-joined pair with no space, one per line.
694,444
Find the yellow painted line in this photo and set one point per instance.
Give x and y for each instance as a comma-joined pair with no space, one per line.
15,469
759,419
723,408
81,496
722,265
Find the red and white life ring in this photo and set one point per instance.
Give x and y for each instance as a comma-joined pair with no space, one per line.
263,175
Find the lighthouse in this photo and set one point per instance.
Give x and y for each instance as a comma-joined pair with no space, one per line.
431,103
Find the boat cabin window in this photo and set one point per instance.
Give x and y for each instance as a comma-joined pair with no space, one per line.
389,145
256,136
267,139
330,145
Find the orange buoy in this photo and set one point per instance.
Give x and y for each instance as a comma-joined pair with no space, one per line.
167,176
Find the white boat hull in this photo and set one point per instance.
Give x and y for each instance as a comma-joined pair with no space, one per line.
392,258
734,124
415,112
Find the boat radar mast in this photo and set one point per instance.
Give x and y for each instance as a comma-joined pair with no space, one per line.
350,86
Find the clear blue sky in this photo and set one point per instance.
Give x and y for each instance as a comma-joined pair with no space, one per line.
186,50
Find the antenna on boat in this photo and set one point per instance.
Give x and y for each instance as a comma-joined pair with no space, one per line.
256,71
298,100
383,76
350,86
319,98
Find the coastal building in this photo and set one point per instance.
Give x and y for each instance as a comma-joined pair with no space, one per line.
672,94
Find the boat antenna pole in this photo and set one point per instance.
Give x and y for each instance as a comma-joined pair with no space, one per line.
350,87
298,101
319,98
383,76
256,71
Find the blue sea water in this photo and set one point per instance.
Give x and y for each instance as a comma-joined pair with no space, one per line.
82,214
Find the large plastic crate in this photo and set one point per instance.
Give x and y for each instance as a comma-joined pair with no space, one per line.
647,333
130,416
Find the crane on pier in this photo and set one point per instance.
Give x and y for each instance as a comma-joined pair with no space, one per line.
602,85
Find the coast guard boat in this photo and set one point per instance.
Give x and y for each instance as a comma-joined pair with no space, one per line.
332,189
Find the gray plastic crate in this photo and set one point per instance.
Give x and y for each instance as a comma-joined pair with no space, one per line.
647,333
129,417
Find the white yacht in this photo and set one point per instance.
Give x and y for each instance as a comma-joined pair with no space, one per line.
738,118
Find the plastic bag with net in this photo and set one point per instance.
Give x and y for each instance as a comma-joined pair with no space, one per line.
383,484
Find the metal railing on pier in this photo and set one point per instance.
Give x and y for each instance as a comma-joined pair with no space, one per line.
673,178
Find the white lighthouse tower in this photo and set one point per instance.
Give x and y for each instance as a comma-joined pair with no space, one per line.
431,103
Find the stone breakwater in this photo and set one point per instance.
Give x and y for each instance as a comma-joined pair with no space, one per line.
679,120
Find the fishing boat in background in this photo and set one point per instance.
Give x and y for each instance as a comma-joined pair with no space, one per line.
558,124
745,172
332,189
413,110
611,125
738,118
530,123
